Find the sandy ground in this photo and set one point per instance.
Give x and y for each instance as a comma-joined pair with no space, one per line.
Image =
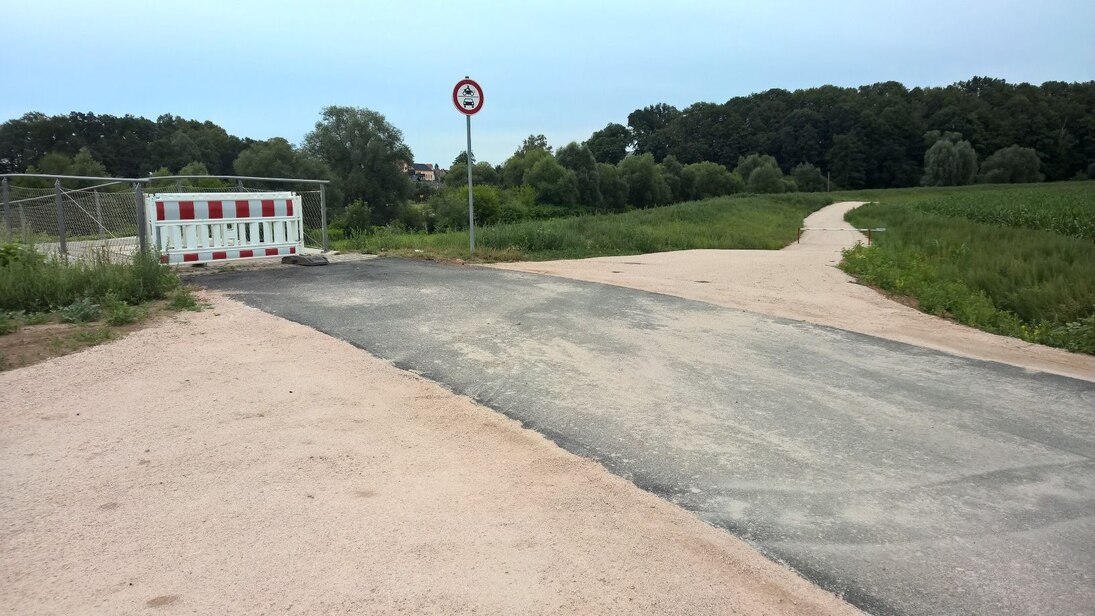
802,282
202,466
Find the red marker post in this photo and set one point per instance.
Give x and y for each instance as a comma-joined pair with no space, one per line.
467,96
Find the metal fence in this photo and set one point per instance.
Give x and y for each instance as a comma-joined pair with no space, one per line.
82,216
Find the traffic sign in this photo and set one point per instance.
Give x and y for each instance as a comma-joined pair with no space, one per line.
467,96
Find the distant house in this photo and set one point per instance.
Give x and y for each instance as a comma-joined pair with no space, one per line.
424,172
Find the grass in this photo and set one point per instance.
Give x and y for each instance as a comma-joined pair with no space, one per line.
1067,208
761,222
1016,261
51,306
32,282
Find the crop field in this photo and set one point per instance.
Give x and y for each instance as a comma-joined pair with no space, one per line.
1018,261
760,222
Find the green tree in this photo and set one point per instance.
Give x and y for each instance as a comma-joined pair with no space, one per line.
709,179
613,187
534,142
277,158
649,129
807,178
645,185
1011,165
848,161
949,163
673,174
766,179
748,164
483,173
609,145
366,154
579,159
553,183
515,168
199,168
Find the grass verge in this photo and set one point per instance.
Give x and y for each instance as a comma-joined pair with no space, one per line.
1005,278
51,307
757,222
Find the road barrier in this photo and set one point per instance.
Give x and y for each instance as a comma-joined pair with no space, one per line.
205,227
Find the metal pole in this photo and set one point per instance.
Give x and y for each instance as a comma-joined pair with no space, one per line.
142,227
471,196
7,209
323,215
178,185
60,216
99,215
239,185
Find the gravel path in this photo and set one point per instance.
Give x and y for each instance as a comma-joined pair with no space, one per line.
801,282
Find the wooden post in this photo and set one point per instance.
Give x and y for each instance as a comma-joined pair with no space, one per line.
868,237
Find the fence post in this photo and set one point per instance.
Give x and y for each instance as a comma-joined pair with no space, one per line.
868,237
239,185
178,186
323,214
99,215
138,191
60,215
7,209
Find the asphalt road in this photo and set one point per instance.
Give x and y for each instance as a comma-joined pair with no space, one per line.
910,481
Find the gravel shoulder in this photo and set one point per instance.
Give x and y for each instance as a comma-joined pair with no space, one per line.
234,462
802,282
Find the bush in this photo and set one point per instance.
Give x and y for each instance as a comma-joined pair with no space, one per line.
1011,165
808,178
766,179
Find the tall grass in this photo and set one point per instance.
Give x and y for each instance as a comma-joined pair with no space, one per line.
32,282
761,222
1034,284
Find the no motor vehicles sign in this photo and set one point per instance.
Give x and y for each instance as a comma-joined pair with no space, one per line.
467,96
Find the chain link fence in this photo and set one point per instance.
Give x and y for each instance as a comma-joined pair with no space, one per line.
102,218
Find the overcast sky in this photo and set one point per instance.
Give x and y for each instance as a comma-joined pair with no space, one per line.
265,68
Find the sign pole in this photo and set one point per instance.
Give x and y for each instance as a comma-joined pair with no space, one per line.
471,195
467,97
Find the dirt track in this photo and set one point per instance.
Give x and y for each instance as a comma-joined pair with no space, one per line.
801,282
195,467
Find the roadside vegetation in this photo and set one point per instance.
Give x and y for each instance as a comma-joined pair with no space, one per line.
50,306
1017,261
760,222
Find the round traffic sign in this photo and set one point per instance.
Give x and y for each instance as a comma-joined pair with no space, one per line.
467,96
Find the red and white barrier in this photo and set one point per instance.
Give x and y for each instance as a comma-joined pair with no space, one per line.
205,227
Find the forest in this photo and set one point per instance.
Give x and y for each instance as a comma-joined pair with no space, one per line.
883,135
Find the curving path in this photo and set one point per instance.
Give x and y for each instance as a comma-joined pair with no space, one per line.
801,282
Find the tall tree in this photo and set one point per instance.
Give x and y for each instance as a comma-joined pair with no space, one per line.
949,162
609,145
366,155
579,160
648,129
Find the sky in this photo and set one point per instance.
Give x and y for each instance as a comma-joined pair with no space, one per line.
265,68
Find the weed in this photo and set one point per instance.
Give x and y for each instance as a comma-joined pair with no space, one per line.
8,325
92,337
82,310
32,282
36,318
183,299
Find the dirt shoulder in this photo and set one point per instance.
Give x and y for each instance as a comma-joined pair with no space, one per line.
802,282
233,462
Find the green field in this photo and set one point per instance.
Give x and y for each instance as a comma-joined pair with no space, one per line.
765,222
1013,260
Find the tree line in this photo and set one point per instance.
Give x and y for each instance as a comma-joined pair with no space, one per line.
873,136
878,136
